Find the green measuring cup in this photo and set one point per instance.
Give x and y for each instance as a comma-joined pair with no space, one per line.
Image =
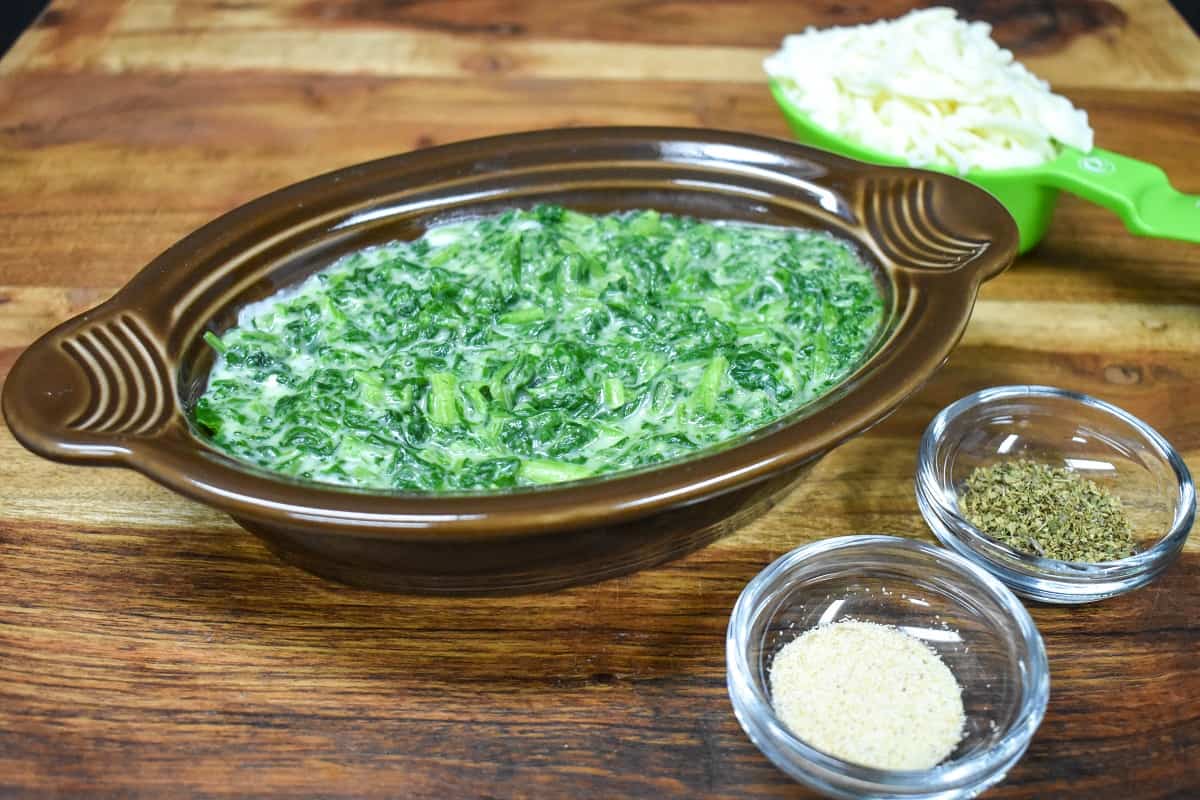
1138,192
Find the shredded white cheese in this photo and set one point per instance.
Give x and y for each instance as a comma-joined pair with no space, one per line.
870,694
931,88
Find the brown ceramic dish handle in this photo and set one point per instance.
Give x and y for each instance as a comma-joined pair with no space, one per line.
918,231
89,390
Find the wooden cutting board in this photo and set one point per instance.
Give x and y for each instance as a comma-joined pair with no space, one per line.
149,647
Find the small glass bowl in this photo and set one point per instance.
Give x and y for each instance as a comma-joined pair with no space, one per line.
1062,429
976,625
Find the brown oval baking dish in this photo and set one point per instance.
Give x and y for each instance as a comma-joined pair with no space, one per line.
115,385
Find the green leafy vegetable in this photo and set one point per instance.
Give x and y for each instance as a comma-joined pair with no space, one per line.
535,347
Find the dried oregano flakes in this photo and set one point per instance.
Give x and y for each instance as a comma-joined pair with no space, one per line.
1047,511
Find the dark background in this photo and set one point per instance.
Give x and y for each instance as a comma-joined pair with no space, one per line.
15,15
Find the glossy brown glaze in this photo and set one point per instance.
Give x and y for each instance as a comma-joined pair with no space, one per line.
114,385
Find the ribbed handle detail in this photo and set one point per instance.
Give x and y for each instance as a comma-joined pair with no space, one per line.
127,378
93,390
899,215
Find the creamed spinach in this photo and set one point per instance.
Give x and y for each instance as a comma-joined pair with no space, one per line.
537,346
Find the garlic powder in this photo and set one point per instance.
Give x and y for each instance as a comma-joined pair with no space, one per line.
870,694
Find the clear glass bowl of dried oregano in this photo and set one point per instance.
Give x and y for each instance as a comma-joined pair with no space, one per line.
1064,497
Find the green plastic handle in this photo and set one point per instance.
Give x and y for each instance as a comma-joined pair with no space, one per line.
1137,191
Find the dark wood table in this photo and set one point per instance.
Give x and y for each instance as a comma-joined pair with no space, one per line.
150,647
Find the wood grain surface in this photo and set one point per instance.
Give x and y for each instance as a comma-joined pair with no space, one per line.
151,648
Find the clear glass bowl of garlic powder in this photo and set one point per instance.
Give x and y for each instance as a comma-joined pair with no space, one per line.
959,616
